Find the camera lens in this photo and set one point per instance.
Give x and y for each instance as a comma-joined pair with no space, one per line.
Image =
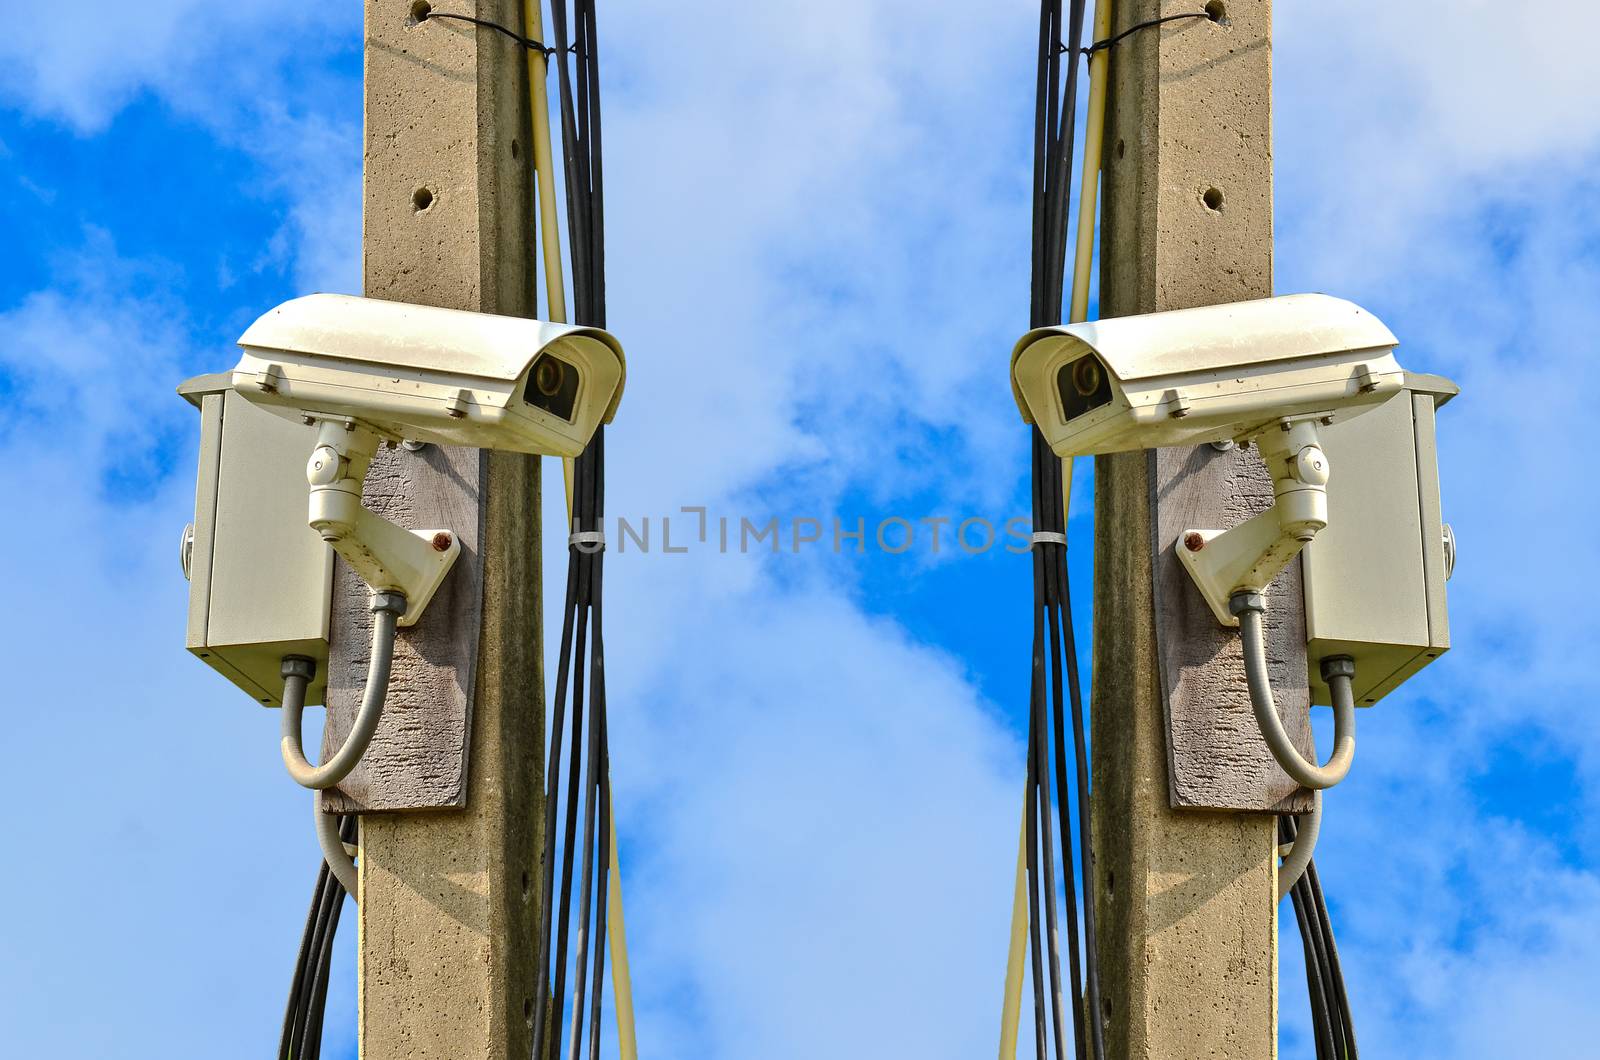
1086,377
547,376
1084,386
553,386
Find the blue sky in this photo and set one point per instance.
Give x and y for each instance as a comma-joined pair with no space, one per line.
837,192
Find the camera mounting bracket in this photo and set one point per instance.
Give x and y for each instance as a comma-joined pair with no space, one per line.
388,557
1250,555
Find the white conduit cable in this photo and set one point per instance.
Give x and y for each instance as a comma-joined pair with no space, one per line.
334,852
1336,670
1298,856
387,607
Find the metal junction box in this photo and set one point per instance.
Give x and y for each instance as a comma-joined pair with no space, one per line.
260,579
1374,578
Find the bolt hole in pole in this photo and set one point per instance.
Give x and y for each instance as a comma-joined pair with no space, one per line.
1217,12
421,199
420,11
1212,197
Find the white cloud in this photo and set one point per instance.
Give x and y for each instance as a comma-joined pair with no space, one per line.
1429,159
166,860
257,77
823,820
85,68
1444,201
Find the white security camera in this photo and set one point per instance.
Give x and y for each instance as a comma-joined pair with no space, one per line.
362,371
433,375
1217,373
1271,370
367,371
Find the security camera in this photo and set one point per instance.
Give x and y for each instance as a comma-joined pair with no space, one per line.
1213,374
433,375
366,371
1272,370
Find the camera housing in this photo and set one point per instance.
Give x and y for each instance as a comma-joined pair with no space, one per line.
433,375
1213,374
1275,371
364,371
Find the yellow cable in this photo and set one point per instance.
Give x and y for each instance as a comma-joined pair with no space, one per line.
545,177
1089,186
555,296
544,165
1011,1008
1088,195
617,933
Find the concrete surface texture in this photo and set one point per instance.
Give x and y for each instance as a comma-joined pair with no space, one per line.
1187,917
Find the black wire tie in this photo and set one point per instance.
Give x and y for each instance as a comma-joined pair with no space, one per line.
1137,26
526,42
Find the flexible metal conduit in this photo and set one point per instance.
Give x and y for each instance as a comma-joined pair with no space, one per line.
1337,671
334,852
1298,856
297,670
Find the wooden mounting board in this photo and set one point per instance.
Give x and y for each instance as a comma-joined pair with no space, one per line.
1217,757
418,756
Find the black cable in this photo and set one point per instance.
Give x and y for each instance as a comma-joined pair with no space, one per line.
1039,742
602,788
1066,126
308,990
1335,970
1055,677
426,14
553,773
1333,1029
1321,1035
1031,834
1113,40
580,679
294,1010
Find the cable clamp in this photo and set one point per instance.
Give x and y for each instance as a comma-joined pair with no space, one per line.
1048,537
594,538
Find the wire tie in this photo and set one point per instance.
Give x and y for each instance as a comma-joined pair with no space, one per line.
588,537
1136,27
1048,537
526,42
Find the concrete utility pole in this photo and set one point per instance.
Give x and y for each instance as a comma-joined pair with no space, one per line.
1188,924
448,896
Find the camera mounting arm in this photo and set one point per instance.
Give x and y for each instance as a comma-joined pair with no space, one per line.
1249,556
389,558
